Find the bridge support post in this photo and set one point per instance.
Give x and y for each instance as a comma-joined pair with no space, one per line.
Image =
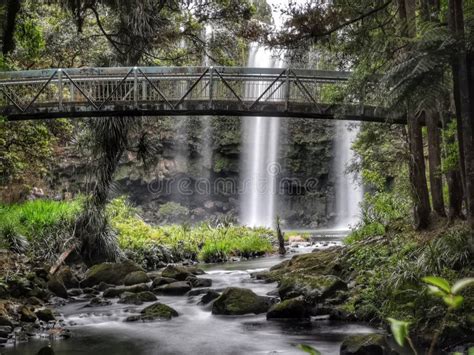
60,89
135,87
287,89
211,76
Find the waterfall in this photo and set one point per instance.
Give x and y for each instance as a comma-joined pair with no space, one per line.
349,193
259,154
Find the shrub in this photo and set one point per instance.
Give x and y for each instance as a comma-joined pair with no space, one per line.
173,212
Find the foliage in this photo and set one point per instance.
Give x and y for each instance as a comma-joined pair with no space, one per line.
47,225
308,349
205,242
172,212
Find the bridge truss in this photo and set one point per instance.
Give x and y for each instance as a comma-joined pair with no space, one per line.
179,91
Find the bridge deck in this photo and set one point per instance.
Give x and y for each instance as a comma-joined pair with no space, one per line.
177,91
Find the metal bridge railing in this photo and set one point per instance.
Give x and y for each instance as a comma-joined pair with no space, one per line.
96,88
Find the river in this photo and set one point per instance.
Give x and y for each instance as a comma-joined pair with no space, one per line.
102,330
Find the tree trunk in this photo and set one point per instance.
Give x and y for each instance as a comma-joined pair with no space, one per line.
12,9
434,159
417,168
461,71
454,182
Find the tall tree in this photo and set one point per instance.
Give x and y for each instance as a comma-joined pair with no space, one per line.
434,160
422,209
9,21
464,106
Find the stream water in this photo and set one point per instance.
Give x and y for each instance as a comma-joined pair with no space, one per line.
102,330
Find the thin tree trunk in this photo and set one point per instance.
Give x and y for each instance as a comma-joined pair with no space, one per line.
462,72
417,167
454,182
434,159
12,9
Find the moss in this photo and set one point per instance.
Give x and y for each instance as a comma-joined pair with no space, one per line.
111,273
158,310
239,301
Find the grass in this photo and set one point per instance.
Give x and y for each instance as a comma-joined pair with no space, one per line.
204,242
32,218
42,221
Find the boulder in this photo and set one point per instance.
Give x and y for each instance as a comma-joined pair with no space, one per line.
46,351
103,286
155,311
98,302
159,281
314,288
26,314
5,330
294,308
239,301
111,273
68,279
137,298
74,292
117,291
367,344
208,297
174,288
56,286
179,273
34,301
4,321
45,315
199,282
136,277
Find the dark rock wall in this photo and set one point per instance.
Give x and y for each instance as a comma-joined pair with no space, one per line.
208,187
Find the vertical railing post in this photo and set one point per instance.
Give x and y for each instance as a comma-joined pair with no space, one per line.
60,88
135,86
287,89
211,83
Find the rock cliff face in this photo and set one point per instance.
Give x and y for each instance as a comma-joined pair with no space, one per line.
194,172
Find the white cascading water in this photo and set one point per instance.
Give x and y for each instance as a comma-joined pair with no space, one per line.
349,193
260,153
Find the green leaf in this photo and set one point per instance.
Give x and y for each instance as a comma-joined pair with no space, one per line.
461,284
436,291
470,351
399,330
439,282
308,349
453,301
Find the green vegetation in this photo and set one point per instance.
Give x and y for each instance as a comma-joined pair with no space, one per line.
204,242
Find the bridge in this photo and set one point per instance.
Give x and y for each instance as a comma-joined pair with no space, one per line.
179,91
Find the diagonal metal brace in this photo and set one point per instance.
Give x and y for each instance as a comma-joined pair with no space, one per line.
154,87
303,88
115,89
10,98
191,88
41,90
267,89
80,90
228,86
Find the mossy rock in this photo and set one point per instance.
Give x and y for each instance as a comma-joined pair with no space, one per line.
117,291
46,351
155,311
27,314
199,282
208,297
367,344
313,288
136,277
176,272
174,289
56,286
239,301
46,315
68,279
160,281
294,308
111,273
137,298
